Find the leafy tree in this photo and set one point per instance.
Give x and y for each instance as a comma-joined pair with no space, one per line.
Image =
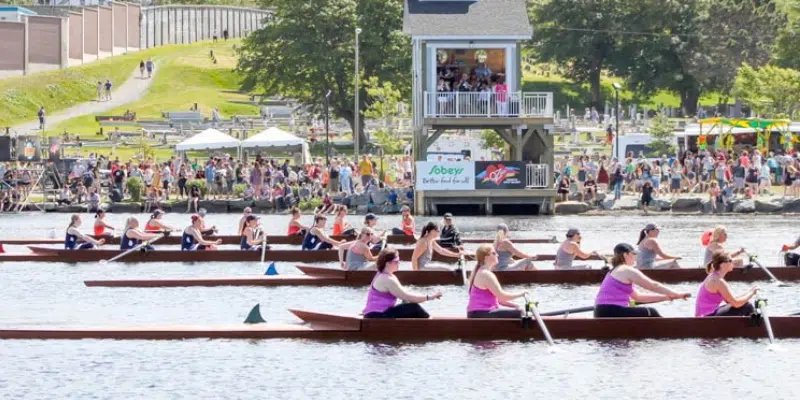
786,54
663,134
383,103
310,49
490,139
771,92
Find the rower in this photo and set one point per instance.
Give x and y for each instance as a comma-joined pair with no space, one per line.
100,224
714,290
571,248
132,236
205,230
649,248
246,213
295,227
718,238
407,223
249,240
156,223
316,239
486,295
424,248
450,237
370,221
192,238
358,252
616,291
385,289
73,235
340,226
506,250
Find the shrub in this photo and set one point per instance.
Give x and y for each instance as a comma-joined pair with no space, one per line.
238,190
310,204
135,186
200,183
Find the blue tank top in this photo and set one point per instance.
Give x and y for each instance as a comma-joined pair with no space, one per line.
126,243
311,242
70,241
187,242
243,244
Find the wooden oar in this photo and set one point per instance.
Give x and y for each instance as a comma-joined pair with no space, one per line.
129,251
530,307
754,260
761,310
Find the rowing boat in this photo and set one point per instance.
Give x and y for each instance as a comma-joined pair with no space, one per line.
47,254
278,239
316,276
320,326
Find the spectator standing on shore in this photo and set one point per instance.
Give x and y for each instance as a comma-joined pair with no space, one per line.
107,87
99,91
41,115
141,69
333,177
166,179
346,177
215,117
149,65
365,170
210,172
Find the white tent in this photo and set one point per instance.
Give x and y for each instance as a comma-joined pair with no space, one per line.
209,139
280,140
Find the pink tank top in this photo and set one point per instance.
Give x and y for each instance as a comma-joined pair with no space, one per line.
481,300
707,302
378,301
613,292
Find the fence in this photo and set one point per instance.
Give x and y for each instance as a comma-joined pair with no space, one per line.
488,104
536,176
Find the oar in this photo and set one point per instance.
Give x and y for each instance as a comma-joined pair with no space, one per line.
568,311
761,309
754,260
463,271
129,251
530,307
263,245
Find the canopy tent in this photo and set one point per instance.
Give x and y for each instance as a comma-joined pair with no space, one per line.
209,139
279,140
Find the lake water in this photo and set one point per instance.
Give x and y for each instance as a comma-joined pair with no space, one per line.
38,295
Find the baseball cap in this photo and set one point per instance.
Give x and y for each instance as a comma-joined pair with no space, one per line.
448,215
370,217
651,227
252,217
573,231
202,212
502,227
248,210
623,248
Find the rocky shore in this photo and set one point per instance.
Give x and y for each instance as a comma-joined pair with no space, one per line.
682,205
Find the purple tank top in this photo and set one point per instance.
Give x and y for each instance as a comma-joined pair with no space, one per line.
378,301
613,292
481,300
707,302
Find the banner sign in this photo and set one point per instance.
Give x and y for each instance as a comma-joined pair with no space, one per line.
28,149
500,175
433,175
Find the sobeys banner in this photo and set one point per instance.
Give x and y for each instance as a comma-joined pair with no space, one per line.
455,175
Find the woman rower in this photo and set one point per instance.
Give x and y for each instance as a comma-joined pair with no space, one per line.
358,252
426,245
649,248
316,239
192,238
156,223
250,238
486,295
100,224
406,224
245,213
385,289
714,290
340,226
569,249
132,236
295,227
617,291
73,234
370,221
718,238
506,250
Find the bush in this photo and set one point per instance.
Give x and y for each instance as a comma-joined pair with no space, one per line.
135,186
200,183
310,204
238,190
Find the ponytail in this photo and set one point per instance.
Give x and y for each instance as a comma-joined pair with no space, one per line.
642,236
430,226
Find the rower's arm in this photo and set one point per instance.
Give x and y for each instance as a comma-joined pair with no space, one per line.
397,289
106,225
199,238
415,256
645,298
368,254
515,251
580,253
84,237
443,251
325,238
165,226
344,247
638,278
657,249
493,285
725,290
251,238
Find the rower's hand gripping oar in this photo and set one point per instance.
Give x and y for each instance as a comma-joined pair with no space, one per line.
129,251
530,308
754,260
761,311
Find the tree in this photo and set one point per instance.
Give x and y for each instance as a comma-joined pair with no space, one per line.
309,49
771,92
383,103
663,134
490,139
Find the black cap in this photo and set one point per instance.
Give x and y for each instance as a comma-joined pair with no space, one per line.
573,231
370,217
623,248
252,217
448,215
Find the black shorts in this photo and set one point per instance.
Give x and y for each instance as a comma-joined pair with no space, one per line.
612,311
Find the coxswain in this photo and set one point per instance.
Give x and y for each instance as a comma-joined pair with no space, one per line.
486,295
359,256
616,291
205,229
569,249
506,251
450,237
648,249
295,227
246,213
715,290
251,239
156,223
424,248
71,241
406,224
132,236
385,289
718,238
370,221
316,239
100,224
192,238
340,226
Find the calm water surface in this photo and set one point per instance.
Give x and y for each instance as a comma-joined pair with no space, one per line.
37,295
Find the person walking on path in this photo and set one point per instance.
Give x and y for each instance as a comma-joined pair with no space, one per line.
108,86
41,115
141,69
215,117
149,66
99,91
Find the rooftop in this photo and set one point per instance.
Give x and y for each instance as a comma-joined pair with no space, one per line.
477,18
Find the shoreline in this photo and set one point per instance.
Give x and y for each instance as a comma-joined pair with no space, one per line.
687,205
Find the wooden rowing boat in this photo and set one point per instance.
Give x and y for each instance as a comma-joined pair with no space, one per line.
175,239
47,254
319,326
316,276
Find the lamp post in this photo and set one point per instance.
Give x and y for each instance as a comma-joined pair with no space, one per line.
327,133
356,114
617,87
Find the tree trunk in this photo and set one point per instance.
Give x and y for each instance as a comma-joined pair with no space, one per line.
594,82
363,140
689,98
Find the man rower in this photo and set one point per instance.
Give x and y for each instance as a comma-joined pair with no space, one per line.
370,221
206,230
425,247
406,223
616,291
359,256
569,249
450,237
340,226
245,213
714,290
250,238
316,239
192,238
506,251
486,295
100,225
73,235
295,227
132,236
648,249
385,289
156,223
